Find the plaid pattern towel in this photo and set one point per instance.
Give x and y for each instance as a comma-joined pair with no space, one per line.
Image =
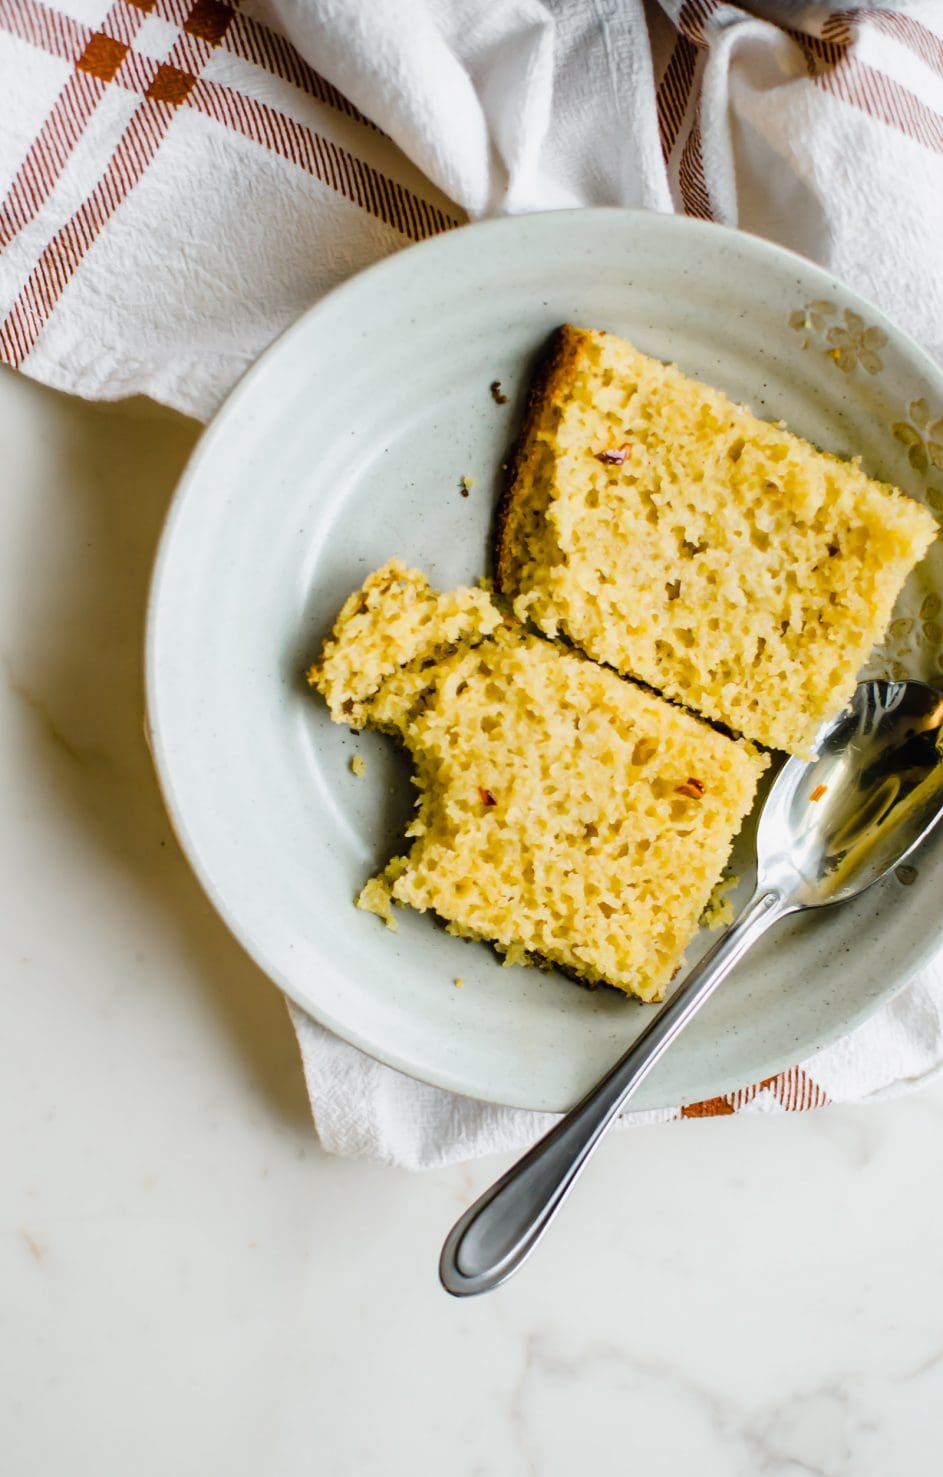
179,179
160,161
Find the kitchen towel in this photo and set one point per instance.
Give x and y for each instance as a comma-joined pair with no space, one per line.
179,179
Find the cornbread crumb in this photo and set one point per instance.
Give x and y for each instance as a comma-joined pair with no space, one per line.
676,537
357,765
497,394
458,982
467,485
553,818
719,910
376,896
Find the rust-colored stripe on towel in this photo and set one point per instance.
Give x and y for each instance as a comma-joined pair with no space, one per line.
712,1107
171,83
358,182
252,42
673,93
678,90
794,1090
691,178
841,27
102,59
834,69
96,55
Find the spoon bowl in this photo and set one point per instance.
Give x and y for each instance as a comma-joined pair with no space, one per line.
834,826
831,827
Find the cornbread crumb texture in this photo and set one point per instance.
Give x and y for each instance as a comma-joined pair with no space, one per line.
675,536
563,813
357,765
384,632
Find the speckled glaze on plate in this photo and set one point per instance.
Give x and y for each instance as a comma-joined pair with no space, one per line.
347,443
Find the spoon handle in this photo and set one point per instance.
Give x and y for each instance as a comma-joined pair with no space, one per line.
498,1232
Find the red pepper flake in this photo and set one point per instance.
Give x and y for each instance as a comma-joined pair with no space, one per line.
614,457
818,792
693,788
497,394
486,797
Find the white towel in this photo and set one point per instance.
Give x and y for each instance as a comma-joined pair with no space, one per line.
181,178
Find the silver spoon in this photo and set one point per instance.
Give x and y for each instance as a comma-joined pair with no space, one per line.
829,828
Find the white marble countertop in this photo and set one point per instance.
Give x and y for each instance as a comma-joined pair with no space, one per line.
188,1285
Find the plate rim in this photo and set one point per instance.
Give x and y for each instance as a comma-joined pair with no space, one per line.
245,387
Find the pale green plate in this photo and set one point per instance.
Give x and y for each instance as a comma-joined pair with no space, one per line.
345,445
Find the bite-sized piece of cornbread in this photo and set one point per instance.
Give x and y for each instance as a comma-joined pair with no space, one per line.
677,537
385,630
564,814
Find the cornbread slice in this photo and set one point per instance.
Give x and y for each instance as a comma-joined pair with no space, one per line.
673,535
564,813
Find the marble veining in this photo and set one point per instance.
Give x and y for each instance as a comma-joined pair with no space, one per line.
51,726
189,1285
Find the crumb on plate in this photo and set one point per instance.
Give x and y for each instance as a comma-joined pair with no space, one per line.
718,912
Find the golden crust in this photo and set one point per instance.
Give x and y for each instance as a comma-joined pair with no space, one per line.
555,370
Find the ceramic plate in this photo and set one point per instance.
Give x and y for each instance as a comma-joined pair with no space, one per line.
346,444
